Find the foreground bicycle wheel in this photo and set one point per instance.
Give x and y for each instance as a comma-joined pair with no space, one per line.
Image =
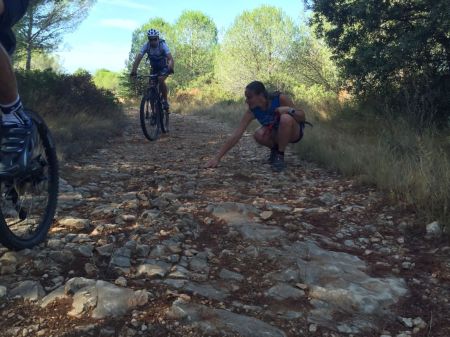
28,203
150,119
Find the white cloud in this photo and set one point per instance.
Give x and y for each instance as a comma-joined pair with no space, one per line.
128,4
120,23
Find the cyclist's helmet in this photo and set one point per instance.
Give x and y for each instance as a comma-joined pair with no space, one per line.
153,33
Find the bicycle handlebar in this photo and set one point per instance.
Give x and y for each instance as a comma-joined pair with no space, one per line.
152,75
145,76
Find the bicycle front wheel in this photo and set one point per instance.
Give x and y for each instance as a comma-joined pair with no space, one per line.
150,116
165,122
28,202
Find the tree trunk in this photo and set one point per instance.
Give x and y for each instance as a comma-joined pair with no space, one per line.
29,40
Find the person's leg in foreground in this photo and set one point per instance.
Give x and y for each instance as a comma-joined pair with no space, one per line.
15,125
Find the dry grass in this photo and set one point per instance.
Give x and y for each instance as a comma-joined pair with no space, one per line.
414,168
82,133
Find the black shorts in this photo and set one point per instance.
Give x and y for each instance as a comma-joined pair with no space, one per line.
14,11
164,71
302,131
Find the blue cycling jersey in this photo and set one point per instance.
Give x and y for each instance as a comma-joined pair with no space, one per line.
157,55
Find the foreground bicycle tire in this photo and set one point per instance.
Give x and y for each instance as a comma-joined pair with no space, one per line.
44,178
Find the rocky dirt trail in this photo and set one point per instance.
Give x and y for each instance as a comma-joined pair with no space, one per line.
147,243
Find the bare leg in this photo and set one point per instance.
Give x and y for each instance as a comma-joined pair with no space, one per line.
16,125
288,131
163,86
264,137
8,84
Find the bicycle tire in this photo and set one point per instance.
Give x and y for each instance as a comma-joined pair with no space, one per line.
165,122
147,124
7,237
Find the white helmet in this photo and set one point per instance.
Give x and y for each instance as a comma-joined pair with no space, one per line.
153,33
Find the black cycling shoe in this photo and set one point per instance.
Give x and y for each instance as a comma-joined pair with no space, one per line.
278,163
273,153
16,146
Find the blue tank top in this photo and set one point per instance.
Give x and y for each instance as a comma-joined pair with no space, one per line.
267,117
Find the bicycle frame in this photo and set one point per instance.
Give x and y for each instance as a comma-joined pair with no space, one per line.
153,91
153,86
152,113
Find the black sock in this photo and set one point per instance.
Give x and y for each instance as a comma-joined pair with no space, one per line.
275,147
281,152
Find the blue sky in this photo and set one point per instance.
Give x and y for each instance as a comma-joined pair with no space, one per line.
103,39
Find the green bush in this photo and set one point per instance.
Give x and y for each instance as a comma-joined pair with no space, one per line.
80,115
106,79
314,94
394,51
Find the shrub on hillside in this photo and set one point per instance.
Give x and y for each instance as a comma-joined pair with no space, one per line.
80,115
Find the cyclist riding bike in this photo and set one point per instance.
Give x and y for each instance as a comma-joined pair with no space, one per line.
15,124
161,61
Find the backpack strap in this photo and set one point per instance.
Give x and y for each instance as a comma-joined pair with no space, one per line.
161,42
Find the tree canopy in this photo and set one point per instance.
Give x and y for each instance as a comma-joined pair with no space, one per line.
45,23
395,49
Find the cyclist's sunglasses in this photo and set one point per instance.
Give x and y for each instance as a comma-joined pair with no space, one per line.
153,39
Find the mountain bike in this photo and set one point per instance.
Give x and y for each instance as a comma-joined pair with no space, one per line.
28,201
154,119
